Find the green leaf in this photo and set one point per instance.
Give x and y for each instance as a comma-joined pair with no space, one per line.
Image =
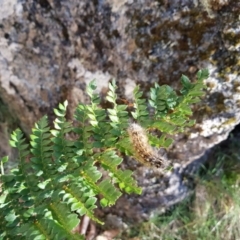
58,113
91,116
110,99
43,184
104,202
196,93
112,85
7,178
10,217
114,118
135,115
111,194
93,85
3,197
179,121
65,103
186,82
164,126
113,112
186,110
202,74
4,159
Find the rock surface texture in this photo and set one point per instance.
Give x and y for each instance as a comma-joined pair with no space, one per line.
50,49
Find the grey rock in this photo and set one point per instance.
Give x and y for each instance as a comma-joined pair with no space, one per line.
50,50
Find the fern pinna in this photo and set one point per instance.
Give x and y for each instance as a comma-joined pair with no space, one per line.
58,179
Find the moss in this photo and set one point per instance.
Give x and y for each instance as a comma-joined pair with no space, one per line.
159,36
230,121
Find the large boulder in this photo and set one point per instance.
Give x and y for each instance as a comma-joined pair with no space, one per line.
50,49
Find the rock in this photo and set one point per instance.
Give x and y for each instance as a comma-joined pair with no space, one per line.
50,49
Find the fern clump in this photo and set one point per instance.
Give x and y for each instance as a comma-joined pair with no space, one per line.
58,179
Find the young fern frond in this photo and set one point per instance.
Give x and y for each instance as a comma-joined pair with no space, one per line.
41,148
59,179
141,113
63,148
117,114
17,141
118,118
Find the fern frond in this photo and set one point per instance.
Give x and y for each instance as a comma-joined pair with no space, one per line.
47,228
83,202
41,147
118,114
109,161
109,192
118,117
61,212
163,141
162,99
19,142
63,149
100,188
59,179
83,143
172,111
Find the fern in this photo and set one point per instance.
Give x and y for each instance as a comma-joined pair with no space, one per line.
59,179
172,111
